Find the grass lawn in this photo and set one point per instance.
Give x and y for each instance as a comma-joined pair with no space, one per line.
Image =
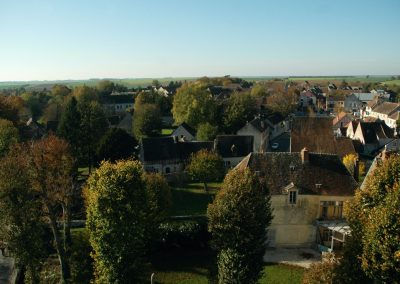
191,199
180,266
167,131
392,82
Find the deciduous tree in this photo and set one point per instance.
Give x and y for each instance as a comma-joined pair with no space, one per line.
241,107
116,221
238,222
147,121
206,132
116,144
206,166
9,135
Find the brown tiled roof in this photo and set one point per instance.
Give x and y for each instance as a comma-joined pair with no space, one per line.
281,169
339,117
372,131
315,133
344,146
386,108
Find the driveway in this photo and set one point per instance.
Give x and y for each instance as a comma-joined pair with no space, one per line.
292,256
284,143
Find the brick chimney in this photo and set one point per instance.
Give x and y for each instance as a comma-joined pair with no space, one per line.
356,170
305,155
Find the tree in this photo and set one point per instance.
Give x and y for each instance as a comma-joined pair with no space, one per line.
159,201
147,121
350,161
9,108
282,102
194,105
69,126
206,166
238,222
259,90
373,219
206,132
93,126
51,166
85,94
116,221
61,91
105,87
322,272
241,107
20,219
116,144
8,136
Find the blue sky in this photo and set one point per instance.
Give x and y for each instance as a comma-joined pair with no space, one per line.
80,39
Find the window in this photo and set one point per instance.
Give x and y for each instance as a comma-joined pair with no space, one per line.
167,170
292,197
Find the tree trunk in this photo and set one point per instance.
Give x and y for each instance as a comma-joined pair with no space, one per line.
67,226
65,272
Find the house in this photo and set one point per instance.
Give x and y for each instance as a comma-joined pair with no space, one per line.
385,111
33,130
170,154
167,154
259,129
364,97
233,148
161,91
334,102
353,104
373,135
351,129
307,195
307,98
185,132
117,103
278,125
341,120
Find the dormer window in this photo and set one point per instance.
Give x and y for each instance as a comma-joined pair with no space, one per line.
292,196
318,186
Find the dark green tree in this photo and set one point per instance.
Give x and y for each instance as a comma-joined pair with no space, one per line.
9,135
147,121
241,107
116,144
206,132
69,127
238,222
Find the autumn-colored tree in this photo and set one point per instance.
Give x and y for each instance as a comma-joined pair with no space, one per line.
238,222
282,102
117,221
85,94
206,166
9,135
373,217
193,104
8,110
350,162
21,224
323,272
51,166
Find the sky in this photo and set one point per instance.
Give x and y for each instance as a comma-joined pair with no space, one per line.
82,39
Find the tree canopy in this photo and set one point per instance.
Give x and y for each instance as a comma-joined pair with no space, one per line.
206,132
147,121
238,222
193,104
241,107
116,144
9,135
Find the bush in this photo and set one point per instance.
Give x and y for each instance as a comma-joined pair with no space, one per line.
184,233
80,260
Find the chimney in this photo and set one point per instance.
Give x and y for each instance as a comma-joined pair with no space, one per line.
305,156
356,170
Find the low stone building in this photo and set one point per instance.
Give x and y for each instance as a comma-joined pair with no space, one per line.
306,189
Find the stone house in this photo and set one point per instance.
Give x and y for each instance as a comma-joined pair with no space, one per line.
353,104
115,104
260,130
385,111
185,132
307,195
373,135
233,148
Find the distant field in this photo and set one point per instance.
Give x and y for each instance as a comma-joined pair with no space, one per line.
392,82
141,82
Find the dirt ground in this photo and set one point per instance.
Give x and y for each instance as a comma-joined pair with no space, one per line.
293,256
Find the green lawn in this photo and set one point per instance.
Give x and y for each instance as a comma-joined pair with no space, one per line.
191,199
392,82
180,266
167,131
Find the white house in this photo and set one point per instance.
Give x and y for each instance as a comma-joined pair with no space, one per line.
184,132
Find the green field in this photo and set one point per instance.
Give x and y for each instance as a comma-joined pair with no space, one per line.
392,82
191,199
167,131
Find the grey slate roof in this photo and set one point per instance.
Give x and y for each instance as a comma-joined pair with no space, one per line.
233,145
